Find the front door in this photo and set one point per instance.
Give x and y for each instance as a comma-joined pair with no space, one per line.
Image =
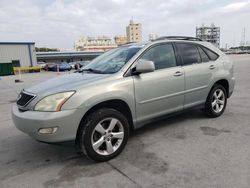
159,92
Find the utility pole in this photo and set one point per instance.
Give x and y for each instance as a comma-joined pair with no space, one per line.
244,38
234,39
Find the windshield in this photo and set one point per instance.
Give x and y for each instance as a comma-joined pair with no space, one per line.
113,60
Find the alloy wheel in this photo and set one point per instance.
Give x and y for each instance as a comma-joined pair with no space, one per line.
107,136
218,101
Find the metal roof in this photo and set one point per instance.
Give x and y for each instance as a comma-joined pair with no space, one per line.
67,54
72,52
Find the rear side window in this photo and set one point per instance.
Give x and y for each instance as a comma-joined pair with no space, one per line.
204,56
213,56
189,53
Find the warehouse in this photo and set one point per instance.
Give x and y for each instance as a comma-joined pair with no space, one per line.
16,54
59,57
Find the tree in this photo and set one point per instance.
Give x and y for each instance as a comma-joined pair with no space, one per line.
44,49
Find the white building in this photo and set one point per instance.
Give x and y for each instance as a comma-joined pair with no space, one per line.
134,32
21,54
99,44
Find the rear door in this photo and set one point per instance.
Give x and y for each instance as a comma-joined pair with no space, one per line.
161,91
198,69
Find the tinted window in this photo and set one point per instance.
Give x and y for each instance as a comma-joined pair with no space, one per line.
204,56
213,56
163,56
189,53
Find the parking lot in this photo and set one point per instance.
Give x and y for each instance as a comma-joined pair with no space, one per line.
187,150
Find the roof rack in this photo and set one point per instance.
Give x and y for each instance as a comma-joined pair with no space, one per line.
178,38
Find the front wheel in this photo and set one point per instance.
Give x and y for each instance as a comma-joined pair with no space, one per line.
103,134
216,101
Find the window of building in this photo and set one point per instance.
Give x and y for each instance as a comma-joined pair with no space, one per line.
189,53
162,55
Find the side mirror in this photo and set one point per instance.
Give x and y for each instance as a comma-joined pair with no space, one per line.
143,66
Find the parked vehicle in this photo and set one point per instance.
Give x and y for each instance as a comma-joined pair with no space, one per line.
41,64
49,66
123,89
62,67
72,64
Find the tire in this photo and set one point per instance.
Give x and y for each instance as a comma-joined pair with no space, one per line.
103,134
216,101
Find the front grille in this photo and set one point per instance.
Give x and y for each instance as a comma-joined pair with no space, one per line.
25,98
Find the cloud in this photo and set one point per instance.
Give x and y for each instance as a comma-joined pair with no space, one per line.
57,23
235,7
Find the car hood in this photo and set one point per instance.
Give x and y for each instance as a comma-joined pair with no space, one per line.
65,83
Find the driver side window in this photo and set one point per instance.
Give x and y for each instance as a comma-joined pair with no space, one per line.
162,55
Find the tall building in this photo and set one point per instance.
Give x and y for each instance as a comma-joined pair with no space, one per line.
94,44
209,34
134,32
120,40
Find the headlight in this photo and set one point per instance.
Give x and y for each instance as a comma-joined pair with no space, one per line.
53,103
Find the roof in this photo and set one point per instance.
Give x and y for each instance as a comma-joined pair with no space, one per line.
72,52
67,54
16,43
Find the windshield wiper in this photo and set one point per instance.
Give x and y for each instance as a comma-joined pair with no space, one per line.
92,70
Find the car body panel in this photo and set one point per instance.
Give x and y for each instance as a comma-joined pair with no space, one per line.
158,93
197,82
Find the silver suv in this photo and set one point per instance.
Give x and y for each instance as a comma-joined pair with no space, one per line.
123,89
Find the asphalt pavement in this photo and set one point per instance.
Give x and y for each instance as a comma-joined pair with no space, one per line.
187,150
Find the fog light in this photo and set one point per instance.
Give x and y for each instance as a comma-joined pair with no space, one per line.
49,130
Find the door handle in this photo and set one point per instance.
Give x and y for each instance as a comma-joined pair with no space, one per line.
178,73
211,67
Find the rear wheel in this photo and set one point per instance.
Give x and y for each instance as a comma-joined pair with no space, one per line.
216,101
103,134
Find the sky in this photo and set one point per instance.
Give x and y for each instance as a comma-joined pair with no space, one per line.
58,23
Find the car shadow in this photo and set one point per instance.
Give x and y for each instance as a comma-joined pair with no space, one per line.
27,154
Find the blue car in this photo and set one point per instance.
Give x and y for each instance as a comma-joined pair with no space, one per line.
62,67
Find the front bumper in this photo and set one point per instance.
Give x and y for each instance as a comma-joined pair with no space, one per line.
67,122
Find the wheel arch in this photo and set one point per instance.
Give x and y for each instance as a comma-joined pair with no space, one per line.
224,83
116,104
